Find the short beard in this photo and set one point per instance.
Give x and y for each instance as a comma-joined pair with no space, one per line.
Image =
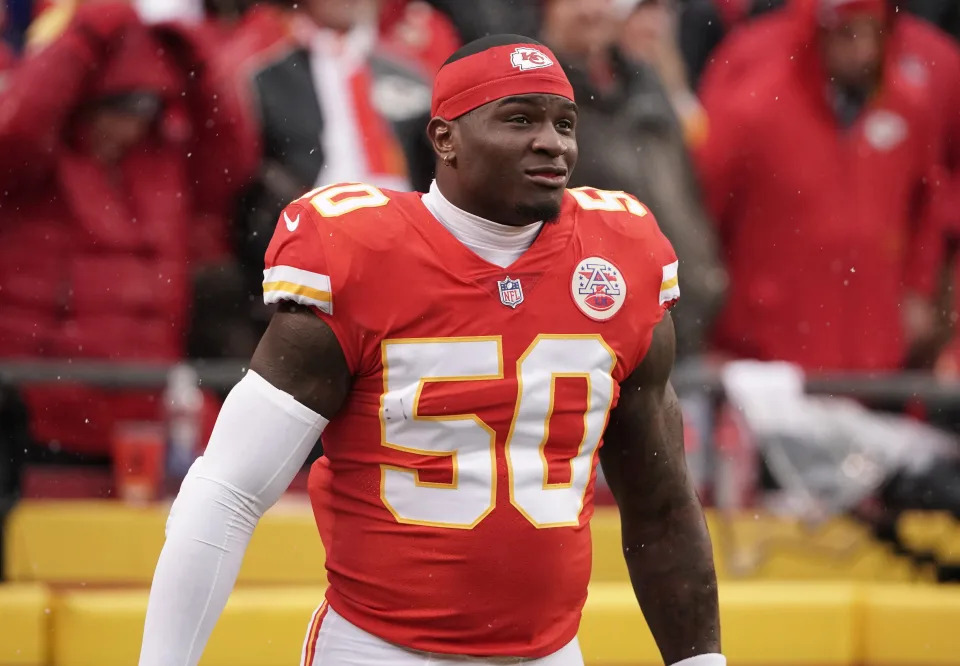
545,212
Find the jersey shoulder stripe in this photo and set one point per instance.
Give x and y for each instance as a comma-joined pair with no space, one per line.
670,286
296,284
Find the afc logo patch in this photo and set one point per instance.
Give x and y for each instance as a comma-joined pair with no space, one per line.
511,293
525,57
598,288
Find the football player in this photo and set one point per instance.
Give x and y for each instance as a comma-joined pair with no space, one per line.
469,354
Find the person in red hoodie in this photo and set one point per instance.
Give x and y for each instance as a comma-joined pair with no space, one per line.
96,216
922,57
820,166
415,31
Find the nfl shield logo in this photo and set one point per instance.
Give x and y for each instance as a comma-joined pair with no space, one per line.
511,293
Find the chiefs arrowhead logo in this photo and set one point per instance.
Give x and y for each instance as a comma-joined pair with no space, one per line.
525,57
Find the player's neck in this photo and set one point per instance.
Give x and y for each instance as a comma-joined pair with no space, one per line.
497,243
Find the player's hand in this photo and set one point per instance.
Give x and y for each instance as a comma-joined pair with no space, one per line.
926,333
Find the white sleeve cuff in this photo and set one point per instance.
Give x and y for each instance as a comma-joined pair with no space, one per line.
704,660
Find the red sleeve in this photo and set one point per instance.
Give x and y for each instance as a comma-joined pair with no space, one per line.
231,137
925,253
32,115
721,160
229,143
669,266
930,214
297,269
950,201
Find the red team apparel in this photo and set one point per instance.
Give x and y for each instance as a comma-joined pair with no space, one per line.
463,461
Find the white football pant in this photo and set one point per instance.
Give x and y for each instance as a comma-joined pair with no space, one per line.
340,643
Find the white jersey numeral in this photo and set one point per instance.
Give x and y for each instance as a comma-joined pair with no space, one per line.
407,366
340,199
611,201
471,444
548,359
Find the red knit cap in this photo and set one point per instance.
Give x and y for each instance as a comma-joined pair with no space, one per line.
494,67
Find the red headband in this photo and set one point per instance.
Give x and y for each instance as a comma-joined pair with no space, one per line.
500,71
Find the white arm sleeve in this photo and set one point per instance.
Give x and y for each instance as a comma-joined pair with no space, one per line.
261,440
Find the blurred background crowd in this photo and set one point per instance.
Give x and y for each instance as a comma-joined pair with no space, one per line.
803,156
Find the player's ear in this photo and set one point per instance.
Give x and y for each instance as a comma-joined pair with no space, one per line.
440,133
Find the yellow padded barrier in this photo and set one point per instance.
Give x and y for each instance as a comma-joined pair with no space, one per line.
24,630
99,542
110,542
261,627
82,541
911,625
765,547
763,625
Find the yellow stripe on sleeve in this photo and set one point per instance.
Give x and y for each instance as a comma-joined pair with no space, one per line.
297,290
669,284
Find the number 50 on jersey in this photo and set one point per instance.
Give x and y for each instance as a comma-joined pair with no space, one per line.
409,365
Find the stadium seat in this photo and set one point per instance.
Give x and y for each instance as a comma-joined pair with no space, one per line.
261,627
24,625
908,625
109,542
764,624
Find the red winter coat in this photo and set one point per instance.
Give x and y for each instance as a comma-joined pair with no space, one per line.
7,59
923,56
93,266
819,224
418,33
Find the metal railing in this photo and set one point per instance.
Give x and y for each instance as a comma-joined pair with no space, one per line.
691,376
742,556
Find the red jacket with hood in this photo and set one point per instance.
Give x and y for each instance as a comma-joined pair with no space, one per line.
820,224
94,265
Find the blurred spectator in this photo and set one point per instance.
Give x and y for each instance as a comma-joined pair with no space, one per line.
820,169
474,20
944,14
98,230
925,62
631,140
649,35
930,62
414,31
319,103
704,24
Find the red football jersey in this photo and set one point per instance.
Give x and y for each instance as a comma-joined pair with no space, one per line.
464,459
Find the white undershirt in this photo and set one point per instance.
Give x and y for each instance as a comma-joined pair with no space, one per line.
334,59
500,244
